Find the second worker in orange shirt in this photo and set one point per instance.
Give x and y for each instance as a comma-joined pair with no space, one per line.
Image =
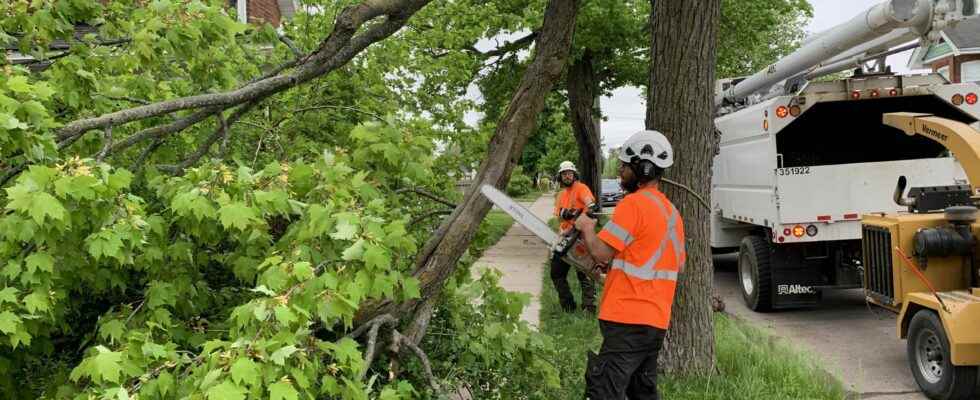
572,200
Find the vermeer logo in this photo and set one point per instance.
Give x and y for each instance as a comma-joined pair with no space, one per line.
934,133
783,290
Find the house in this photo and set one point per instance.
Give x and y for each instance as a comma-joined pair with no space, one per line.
264,11
956,56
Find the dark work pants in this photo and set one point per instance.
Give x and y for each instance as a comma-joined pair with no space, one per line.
626,366
559,276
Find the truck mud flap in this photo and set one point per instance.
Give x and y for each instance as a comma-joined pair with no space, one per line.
795,287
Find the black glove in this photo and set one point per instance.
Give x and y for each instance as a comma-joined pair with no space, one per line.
569,214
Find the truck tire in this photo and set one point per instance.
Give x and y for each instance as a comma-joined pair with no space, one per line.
930,361
755,273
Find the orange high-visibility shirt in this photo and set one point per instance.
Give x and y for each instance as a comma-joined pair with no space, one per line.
577,196
648,235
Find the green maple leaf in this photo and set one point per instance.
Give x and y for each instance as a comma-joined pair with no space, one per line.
107,365
37,301
355,251
39,261
154,350
9,322
376,256
303,271
120,179
45,205
236,215
18,84
282,390
245,371
284,315
227,390
10,122
410,288
345,231
112,330
105,244
42,90
8,295
279,356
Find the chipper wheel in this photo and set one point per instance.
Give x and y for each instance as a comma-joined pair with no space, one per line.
929,358
755,273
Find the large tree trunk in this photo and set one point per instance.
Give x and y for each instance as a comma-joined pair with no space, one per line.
583,88
680,104
440,255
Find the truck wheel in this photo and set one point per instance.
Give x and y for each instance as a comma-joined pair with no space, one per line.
755,273
929,359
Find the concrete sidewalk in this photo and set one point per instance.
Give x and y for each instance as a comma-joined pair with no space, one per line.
520,257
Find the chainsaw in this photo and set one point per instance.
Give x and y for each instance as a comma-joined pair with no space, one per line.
568,246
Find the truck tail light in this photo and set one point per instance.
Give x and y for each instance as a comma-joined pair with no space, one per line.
782,111
798,231
971,98
811,230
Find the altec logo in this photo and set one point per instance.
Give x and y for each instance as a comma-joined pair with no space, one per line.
783,290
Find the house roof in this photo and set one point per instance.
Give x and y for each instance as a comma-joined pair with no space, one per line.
964,38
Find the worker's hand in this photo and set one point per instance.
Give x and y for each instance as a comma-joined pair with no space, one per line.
568,214
584,223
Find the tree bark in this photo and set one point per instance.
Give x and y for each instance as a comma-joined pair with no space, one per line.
680,104
440,255
583,87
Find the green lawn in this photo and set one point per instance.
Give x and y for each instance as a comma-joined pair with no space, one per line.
751,364
492,228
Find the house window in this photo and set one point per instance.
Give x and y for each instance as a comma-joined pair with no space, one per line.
944,71
240,7
970,71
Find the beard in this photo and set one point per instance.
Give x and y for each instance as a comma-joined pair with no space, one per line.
567,182
629,185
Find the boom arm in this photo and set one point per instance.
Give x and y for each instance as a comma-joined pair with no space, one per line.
957,137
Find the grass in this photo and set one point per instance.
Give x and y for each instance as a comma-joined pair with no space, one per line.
493,227
530,196
751,364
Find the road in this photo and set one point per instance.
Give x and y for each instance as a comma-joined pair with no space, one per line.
853,341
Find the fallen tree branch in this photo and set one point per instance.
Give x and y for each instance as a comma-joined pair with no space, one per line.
290,44
205,146
426,366
106,145
428,215
336,50
427,194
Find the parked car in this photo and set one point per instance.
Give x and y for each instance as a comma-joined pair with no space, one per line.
612,193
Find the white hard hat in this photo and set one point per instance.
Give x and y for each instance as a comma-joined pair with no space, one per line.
566,166
652,146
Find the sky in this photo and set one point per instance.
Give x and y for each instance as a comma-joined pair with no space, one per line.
625,109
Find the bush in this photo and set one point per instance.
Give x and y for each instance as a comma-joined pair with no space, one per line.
520,184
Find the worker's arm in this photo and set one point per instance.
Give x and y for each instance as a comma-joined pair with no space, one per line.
601,251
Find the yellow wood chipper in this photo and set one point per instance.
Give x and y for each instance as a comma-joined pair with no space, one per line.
923,264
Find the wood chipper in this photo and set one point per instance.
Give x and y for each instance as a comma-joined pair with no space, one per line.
923,264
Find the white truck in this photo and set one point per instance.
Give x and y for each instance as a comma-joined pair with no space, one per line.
798,165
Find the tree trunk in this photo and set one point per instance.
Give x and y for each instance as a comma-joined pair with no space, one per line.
583,88
440,255
680,104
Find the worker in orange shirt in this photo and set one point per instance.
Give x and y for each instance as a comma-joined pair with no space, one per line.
574,198
643,245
